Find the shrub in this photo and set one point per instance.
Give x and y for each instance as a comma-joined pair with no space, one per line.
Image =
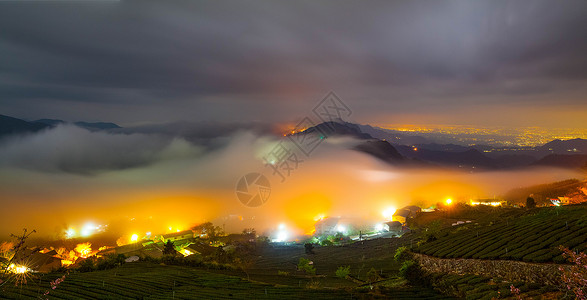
282,273
110,261
412,272
401,254
326,242
343,272
313,284
306,266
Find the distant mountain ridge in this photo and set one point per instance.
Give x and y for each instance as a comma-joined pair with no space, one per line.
377,148
394,148
87,125
13,126
390,147
10,126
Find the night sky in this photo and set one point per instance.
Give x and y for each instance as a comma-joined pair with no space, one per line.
504,63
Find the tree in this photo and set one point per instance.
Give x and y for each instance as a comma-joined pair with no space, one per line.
309,248
169,248
15,252
212,232
575,277
530,203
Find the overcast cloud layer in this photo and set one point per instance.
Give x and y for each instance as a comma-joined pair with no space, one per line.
468,62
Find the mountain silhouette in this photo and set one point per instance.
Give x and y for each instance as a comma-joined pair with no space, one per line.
10,126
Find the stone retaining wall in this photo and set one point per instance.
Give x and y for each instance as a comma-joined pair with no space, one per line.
542,273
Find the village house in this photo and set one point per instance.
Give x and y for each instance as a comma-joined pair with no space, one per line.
403,214
176,236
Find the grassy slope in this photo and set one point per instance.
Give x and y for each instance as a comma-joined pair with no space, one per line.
531,236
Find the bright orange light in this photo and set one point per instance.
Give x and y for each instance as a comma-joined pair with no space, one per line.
66,262
388,212
84,249
18,269
319,217
448,201
134,237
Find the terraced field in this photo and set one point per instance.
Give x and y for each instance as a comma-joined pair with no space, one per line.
532,237
150,281
143,280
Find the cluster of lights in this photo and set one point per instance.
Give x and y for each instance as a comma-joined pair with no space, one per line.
176,229
495,203
87,230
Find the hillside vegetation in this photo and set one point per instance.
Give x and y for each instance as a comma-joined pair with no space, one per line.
531,236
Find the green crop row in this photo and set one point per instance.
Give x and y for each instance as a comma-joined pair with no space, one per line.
532,238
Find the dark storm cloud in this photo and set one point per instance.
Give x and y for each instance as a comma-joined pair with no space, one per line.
144,57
